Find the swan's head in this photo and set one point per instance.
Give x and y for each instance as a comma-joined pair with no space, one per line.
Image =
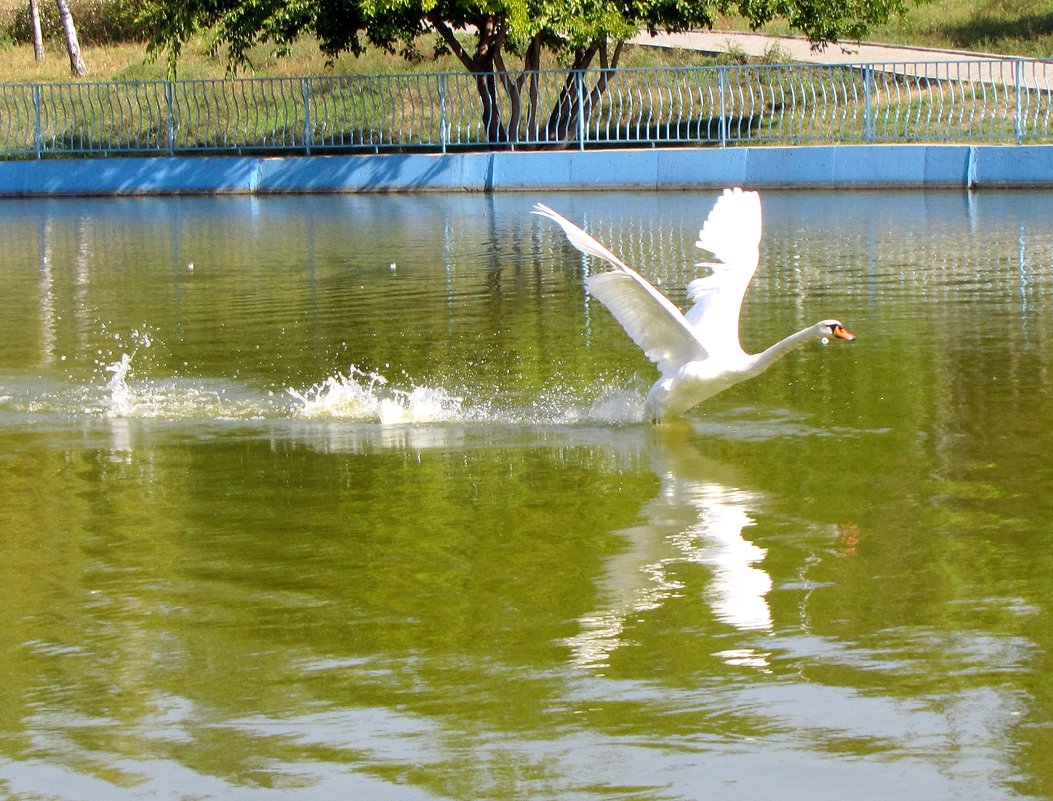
834,328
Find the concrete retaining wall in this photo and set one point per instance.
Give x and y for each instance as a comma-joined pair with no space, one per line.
843,166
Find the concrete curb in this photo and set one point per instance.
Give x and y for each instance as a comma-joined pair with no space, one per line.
835,166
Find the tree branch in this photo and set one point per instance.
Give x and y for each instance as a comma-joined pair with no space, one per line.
452,42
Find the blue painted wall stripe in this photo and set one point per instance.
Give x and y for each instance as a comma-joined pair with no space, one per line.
836,166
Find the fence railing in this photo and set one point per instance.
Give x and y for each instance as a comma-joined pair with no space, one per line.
990,101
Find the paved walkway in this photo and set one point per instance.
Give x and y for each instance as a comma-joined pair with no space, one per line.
919,62
798,48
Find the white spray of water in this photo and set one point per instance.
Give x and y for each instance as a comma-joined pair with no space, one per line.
126,398
173,398
357,395
121,400
618,405
360,395
369,397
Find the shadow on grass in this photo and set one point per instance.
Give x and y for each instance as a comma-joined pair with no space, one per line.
984,32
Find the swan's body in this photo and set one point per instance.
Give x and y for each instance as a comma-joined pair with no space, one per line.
698,353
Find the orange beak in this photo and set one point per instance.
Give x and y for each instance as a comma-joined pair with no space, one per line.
843,333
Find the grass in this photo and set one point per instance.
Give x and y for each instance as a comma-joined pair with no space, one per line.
129,62
1005,27
1009,27
1012,27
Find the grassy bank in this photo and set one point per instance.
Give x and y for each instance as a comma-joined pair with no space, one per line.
1006,27
129,62
1009,27
1013,27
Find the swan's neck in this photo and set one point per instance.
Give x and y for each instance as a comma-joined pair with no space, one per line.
762,361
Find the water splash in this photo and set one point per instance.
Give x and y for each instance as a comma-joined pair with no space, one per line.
120,398
176,398
361,395
122,402
617,405
369,397
126,396
121,385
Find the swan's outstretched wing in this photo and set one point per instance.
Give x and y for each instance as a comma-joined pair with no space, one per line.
648,316
732,233
658,327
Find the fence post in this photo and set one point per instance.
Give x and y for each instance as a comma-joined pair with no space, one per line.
170,117
868,120
308,137
722,85
38,136
1018,79
580,78
442,112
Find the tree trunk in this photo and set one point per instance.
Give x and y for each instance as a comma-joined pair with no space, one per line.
76,63
487,65
486,83
481,64
38,39
576,100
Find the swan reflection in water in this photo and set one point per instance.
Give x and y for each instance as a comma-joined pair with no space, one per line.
699,516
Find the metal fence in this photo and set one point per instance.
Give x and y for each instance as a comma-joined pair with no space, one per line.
1002,101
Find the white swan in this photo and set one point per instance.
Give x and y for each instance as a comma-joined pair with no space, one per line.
698,353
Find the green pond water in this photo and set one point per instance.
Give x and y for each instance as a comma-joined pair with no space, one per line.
351,498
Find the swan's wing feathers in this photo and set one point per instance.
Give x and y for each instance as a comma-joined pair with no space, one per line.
578,238
650,320
732,233
716,298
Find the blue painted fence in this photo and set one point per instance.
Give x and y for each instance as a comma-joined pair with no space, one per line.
1006,101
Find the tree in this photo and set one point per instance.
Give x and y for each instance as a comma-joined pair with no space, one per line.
69,31
34,24
501,42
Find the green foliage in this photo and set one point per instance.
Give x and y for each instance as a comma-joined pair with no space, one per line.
487,35
775,53
98,22
822,21
733,56
573,32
